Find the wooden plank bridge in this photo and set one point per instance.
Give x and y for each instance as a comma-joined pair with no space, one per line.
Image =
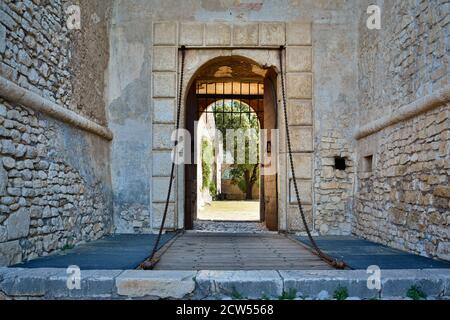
242,251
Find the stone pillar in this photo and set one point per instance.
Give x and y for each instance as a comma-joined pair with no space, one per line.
299,91
164,93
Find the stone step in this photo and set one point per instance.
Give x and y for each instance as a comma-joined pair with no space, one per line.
18,283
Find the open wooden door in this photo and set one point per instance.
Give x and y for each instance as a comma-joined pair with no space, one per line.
190,170
269,182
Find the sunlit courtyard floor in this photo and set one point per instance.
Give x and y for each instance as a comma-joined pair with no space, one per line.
230,211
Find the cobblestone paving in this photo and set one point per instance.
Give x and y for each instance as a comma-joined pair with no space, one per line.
230,227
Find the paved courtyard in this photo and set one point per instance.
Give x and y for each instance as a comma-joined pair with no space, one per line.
230,211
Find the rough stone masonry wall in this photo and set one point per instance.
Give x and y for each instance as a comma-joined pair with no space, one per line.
54,179
47,199
334,188
39,52
404,201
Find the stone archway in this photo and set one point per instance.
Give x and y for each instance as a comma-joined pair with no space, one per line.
224,68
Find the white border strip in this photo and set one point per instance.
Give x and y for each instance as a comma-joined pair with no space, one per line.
406,112
14,93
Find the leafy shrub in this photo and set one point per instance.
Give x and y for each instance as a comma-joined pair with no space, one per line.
341,293
415,293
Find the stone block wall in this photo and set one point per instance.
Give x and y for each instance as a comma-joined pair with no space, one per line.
55,185
334,186
406,59
402,195
40,53
50,197
404,202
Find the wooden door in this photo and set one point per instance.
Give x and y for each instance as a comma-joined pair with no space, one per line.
190,170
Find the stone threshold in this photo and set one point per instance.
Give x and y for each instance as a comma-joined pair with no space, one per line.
18,283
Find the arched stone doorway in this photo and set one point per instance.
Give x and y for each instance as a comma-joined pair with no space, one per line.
237,77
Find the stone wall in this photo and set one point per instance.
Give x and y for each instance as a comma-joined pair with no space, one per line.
41,54
55,187
51,284
50,197
405,60
403,201
321,62
334,186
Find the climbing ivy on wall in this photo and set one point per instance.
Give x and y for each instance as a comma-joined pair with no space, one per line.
207,161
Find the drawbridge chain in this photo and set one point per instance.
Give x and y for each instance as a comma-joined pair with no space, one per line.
333,262
151,261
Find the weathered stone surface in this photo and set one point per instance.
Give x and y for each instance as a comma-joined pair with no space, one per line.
301,138
164,111
313,283
300,112
3,180
95,284
162,136
442,191
10,253
248,284
299,85
158,212
158,284
162,163
164,84
191,33
30,282
2,38
245,34
160,188
38,205
217,34
136,284
304,189
409,177
295,222
443,250
298,34
272,34
18,224
299,59
52,283
334,187
165,33
303,166
164,59
396,284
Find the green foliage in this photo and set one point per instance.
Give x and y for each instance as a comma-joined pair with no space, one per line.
67,247
236,115
415,293
289,295
207,161
341,293
212,188
236,295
